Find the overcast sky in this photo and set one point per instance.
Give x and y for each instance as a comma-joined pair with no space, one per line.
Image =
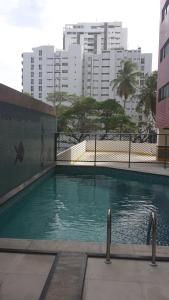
29,23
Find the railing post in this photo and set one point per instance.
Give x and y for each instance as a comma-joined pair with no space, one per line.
95,139
55,146
129,150
154,237
109,231
165,152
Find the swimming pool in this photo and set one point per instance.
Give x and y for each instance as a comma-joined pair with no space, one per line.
72,204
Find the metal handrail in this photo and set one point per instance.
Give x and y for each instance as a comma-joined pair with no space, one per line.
152,225
109,231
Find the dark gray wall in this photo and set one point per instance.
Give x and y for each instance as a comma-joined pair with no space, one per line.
26,143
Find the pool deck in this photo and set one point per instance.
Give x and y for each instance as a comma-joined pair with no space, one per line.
71,270
139,163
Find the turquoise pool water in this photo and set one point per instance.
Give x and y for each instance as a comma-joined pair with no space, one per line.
73,206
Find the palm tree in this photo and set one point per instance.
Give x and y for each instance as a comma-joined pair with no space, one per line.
147,96
127,80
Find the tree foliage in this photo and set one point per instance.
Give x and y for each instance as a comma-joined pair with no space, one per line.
86,116
147,96
127,81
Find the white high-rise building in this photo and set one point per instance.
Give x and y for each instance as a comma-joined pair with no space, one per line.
100,69
46,71
95,37
91,59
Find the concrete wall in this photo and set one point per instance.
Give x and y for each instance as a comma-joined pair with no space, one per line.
121,146
162,109
73,153
27,130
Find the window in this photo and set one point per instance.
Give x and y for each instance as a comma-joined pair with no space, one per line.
32,81
40,95
32,59
40,52
64,71
163,92
40,74
64,85
32,88
40,81
142,60
105,95
40,67
164,51
32,67
105,88
64,64
40,88
32,74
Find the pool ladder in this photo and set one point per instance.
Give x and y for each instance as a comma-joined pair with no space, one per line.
152,226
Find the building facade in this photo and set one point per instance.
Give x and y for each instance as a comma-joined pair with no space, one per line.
95,37
162,108
101,69
45,71
76,72
90,60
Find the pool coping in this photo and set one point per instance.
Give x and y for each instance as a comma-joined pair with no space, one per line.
123,251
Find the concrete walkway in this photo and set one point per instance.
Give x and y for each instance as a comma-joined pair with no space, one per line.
126,280
22,276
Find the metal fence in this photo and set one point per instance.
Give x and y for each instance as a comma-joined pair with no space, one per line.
107,148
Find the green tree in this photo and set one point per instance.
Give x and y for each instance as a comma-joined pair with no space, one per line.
147,96
79,119
60,98
112,116
127,81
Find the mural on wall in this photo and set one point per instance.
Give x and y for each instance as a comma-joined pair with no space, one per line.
26,140
19,152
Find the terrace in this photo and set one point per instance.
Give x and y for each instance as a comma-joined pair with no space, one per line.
135,151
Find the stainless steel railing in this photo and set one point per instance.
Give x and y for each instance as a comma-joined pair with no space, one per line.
109,231
152,226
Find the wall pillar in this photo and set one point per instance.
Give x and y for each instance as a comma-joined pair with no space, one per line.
163,145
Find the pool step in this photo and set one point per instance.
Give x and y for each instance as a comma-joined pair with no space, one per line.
66,279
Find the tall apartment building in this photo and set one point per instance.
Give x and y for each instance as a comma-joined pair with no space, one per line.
46,70
162,108
101,69
91,59
95,37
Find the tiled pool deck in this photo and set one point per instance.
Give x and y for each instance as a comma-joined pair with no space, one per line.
33,269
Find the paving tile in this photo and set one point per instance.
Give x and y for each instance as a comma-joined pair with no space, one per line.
68,275
155,291
14,243
21,287
31,264
108,290
127,271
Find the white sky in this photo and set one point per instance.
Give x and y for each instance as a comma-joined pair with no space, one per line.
25,24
